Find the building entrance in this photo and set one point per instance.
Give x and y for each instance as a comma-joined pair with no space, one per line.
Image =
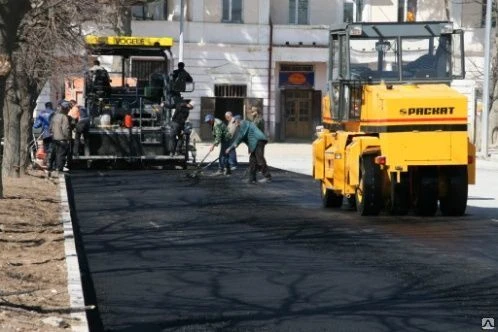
301,112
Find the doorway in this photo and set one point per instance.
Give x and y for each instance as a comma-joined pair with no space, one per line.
223,105
300,111
219,105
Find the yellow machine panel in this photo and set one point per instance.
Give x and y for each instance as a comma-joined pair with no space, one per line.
129,41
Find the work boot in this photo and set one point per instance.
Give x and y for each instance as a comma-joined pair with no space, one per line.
218,172
265,180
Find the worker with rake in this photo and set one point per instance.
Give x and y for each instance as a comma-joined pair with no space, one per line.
221,137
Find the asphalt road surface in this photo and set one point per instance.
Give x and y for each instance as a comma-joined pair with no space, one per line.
167,253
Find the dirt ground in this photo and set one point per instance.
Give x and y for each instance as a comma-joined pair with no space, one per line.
33,283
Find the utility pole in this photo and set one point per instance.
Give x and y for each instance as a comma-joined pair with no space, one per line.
485,88
180,40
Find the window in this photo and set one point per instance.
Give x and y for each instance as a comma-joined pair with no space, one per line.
348,12
153,10
294,68
353,10
426,58
374,59
142,69
232,11
298,11
226,90
407,10
493,14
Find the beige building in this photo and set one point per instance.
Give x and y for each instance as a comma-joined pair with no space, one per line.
273,54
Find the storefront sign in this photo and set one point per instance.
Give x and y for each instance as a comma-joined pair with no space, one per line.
297,79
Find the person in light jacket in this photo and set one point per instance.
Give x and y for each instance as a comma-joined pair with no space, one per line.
61,130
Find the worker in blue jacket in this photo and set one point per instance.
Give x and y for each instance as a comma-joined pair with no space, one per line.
43,121
255,140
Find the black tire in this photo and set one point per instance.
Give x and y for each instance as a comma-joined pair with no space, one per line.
329,198
369,193
399,202
426,191
454,203
352,203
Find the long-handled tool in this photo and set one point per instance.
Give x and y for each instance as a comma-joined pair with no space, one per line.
195,174
199,168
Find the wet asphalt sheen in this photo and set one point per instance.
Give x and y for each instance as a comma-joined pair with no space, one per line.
163,252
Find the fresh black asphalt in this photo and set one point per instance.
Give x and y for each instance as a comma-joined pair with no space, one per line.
163,252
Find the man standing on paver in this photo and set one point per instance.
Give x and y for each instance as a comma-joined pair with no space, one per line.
256,141
182,112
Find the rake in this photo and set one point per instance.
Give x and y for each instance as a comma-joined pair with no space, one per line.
199,168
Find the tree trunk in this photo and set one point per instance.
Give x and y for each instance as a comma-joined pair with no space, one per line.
10,18
12,112
2,95
20,103
30,93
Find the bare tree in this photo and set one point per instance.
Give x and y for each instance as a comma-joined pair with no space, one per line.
48,40
39,38
11,15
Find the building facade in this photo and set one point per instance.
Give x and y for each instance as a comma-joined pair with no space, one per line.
273,54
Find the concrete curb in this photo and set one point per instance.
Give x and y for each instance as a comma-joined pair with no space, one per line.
76,299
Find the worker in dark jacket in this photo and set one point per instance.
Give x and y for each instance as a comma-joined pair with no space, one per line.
179,79
81,129
61,130
256,141
182,112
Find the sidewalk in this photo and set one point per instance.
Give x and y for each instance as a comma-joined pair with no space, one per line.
491,161
297,157
294,157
